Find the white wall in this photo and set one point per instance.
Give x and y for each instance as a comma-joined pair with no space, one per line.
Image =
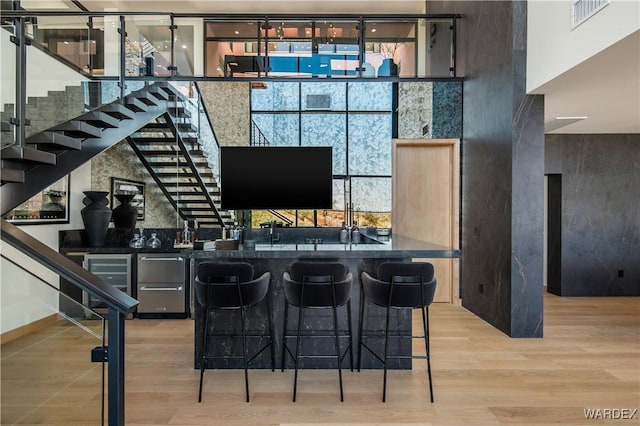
43,72
23,298
553,47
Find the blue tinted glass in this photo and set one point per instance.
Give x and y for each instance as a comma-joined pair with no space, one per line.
327,130
370,96
279,129
275,96
370,144
327,96
371,194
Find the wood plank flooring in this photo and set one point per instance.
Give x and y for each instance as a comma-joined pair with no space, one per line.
589,358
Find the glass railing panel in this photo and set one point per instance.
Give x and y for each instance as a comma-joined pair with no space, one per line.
8,92
55,95
390,46
189,47
232,48
67,38
439,57
105,32
47,373
149,46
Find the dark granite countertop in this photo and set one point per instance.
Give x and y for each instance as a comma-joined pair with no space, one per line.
398,246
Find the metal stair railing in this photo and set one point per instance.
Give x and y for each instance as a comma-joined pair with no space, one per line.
118,303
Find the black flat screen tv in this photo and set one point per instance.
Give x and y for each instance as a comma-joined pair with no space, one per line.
276,178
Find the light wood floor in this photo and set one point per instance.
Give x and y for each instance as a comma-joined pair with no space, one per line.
589,358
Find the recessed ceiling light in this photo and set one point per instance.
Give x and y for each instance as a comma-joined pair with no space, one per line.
184,46
66,42
237,32
373,30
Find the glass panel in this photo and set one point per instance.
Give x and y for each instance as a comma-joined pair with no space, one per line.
375,96
279,129
275,96
389,45
232,48
439,58
327,130
188,37
324,96
370,144
337,47
68,38
371,198
148,46
7,105
47,372
54,96
107,60
289,42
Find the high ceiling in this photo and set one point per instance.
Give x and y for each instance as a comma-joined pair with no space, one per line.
605,88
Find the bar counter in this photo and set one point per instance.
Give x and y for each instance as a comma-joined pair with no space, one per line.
277,258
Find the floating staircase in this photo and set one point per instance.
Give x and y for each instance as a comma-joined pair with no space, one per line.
158,127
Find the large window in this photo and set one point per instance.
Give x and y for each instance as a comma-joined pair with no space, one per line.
355,119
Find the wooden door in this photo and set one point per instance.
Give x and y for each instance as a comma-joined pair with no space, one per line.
426,194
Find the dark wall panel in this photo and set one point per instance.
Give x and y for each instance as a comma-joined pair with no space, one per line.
600,213
502,169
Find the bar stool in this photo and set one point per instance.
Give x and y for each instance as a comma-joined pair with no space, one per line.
398,286
231,286
317,285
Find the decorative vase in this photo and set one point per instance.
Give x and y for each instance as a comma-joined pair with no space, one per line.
96,216
125,215
387,68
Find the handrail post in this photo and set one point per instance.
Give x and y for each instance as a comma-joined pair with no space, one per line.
21,42
115,338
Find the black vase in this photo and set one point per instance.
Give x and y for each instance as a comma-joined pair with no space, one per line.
96,216
125,215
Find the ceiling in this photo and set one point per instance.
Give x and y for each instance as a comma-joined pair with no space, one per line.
605,88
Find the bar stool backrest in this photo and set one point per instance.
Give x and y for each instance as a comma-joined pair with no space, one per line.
402,285
229,285
318,279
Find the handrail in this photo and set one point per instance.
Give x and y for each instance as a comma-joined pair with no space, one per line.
262,140
206,113
66,268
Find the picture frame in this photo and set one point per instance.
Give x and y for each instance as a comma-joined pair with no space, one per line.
126,186
50,206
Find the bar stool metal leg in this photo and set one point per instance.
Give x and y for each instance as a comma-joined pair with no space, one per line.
204,352
271,336
298,348
244,353
335,328
350,335
425,324
284,335
360,330
386,352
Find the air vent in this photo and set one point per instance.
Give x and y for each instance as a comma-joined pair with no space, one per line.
585,9
318,101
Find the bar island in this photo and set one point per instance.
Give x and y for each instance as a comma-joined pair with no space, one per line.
277,258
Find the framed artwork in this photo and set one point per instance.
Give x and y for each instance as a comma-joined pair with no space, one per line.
126,186
47,207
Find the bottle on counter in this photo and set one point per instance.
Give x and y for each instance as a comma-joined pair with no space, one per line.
355,234
154,241
186,233
344,234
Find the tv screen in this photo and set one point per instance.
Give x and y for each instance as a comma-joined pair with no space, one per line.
276,178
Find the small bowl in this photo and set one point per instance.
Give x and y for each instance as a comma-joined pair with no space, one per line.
383,232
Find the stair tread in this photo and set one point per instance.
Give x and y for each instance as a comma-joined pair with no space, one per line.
11,175
101,119
79,127
29,154
119,111
56,139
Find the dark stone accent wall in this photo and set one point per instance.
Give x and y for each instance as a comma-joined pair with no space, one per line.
447,110
502,169
600,213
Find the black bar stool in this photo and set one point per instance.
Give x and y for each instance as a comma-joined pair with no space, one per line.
317,285
231,286
398,286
